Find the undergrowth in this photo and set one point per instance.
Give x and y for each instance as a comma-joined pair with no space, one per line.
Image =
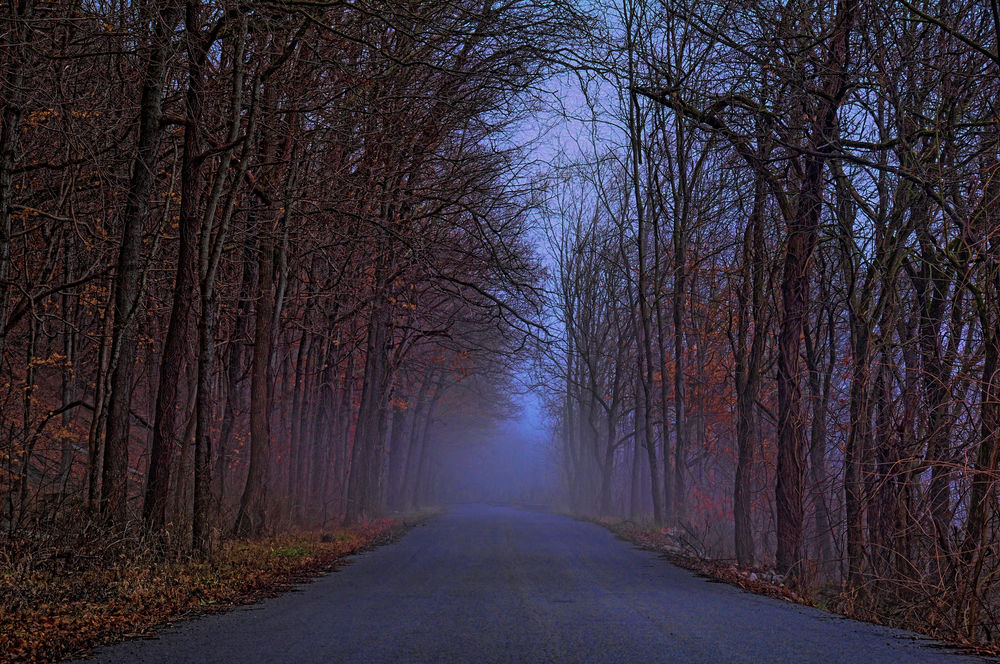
765,582
58,606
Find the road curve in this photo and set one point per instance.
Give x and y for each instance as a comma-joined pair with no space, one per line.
489,584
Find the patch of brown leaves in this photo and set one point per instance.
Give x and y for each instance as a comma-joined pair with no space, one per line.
763,582
50,612
666,542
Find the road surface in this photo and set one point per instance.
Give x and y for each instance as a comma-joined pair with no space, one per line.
489,584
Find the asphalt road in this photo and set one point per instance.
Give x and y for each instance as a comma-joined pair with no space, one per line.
488,584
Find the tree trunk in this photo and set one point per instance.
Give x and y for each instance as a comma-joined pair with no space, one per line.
982,499
234,374
366,454
327,411
803,226
297,448
200,521
398,451
819,386
250,519
748,355
175,345
416,428
419,481
128,281
635,502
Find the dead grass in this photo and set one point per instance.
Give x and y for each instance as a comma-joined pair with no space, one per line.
765,582
670,545
65,606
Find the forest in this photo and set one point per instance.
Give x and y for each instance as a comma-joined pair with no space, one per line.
283,266
776,251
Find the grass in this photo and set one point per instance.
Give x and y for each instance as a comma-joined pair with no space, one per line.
63,607
827,598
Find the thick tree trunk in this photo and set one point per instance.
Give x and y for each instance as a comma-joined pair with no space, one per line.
250,519
128,277
177,340
803,226
750,344
791,433
201,517
748,355
742,490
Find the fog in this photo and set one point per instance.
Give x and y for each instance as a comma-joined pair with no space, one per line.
503,460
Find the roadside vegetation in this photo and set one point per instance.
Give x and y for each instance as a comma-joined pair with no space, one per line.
683,549
59,602
774,239
262,265
271,267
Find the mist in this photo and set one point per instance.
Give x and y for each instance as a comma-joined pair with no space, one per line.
497,452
